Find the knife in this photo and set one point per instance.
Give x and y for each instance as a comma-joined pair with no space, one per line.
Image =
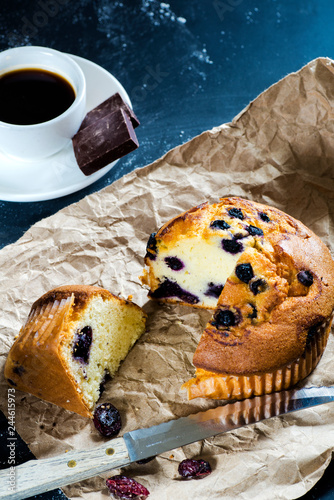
9,435
38,476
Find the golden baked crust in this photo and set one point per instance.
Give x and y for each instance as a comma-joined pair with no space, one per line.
214,385
262,321
36,362
82,294
279,336
195,224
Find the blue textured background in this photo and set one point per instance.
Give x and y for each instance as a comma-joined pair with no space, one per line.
187,66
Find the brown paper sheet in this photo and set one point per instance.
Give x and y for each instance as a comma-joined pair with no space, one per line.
280,151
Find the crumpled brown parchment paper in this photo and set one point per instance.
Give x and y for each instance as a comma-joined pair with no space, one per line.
279,151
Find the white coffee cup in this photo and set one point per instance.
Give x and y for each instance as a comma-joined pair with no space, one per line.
40,140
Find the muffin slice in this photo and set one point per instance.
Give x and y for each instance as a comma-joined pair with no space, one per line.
74,336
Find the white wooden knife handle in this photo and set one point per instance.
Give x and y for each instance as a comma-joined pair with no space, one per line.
38,476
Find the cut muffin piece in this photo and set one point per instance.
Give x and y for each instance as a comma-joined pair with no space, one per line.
74,336
271,282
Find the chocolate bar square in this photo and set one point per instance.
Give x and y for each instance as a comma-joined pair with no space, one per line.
104,141
105,108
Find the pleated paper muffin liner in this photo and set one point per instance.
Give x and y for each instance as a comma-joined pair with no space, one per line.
226,386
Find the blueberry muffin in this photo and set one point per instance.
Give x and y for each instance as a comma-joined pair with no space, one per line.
74,337
270,282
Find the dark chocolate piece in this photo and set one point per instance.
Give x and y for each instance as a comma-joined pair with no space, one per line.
106,107
104,141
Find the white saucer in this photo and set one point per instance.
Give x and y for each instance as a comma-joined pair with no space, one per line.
59,174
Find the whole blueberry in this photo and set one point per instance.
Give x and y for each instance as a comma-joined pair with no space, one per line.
244,272
232,246
305,278
191,468
219,224
264,217
254,231
125,487
236,213
82,344
174,263
107,420
224,318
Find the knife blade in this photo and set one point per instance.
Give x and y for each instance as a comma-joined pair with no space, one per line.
38,476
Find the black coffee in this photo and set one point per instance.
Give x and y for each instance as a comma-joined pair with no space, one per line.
29,96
